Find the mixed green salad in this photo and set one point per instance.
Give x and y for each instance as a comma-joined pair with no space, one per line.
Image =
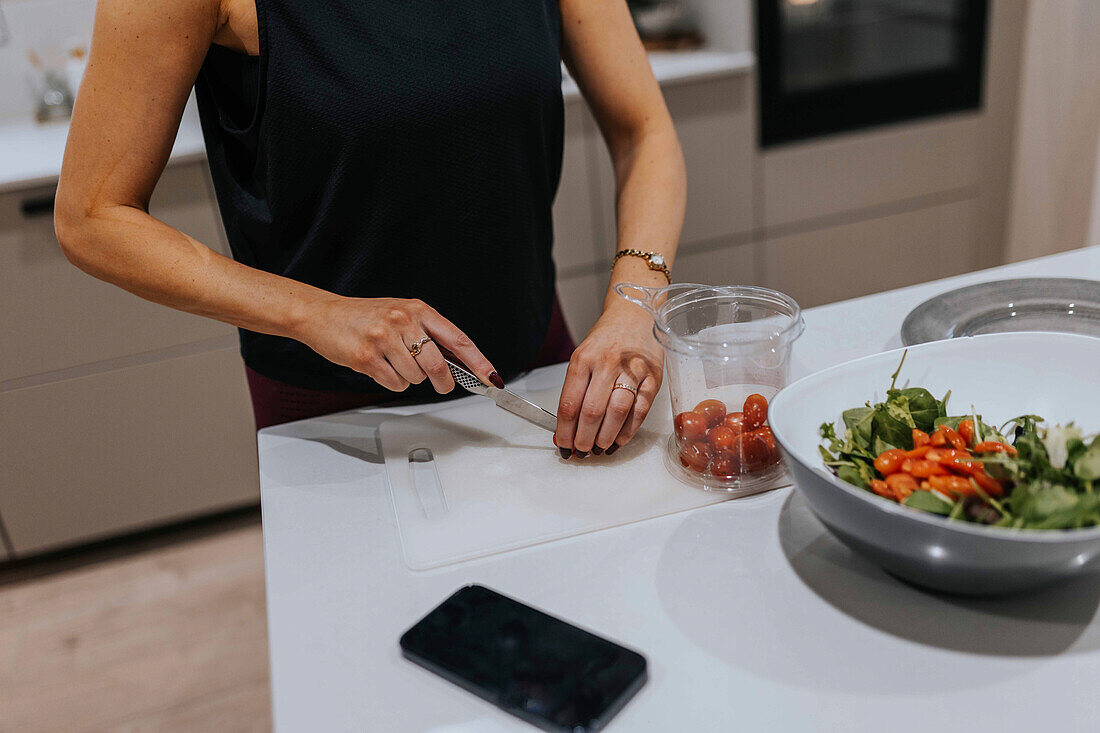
1022,474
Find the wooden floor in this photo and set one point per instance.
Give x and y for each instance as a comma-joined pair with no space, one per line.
163,633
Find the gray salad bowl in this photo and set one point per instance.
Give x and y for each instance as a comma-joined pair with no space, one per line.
1054,375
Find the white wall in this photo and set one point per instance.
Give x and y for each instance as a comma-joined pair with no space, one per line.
37,25
1058,130
727,24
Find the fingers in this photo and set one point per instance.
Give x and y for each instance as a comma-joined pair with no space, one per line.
569,405
647,393
379,369
618,410
402,360
592,411
449,336
431,361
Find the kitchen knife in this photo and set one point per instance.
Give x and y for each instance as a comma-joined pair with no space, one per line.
509,401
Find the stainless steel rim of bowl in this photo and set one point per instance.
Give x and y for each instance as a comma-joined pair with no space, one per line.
912,333
1040,536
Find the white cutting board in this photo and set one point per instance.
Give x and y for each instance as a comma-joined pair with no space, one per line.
504,485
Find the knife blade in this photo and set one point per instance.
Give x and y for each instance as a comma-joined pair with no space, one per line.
504,399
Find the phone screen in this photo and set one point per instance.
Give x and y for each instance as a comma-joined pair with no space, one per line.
530,664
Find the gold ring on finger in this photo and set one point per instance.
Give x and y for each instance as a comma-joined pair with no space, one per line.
627,387
416,348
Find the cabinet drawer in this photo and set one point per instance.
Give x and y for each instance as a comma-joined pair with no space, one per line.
581,299
823,177
123,450
575,230
56,317
732,264
870,256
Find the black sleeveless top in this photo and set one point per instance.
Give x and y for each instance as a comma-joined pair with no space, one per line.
394,148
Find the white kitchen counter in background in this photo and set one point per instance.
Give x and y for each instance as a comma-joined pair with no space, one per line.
752,616
30,154
671,67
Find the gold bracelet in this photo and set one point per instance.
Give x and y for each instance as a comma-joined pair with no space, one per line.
654,260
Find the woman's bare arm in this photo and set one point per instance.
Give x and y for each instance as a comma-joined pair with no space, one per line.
144,59
602,50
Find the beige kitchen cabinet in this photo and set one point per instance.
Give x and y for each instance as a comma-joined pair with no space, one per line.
126,449
715,121
727,263
57,317
872,255
575,227
848,174
116,414
581,299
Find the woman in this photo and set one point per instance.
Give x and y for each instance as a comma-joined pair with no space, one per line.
385,171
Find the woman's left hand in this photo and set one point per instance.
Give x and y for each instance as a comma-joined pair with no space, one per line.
594,416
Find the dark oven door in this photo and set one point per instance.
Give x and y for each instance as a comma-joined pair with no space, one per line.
828,66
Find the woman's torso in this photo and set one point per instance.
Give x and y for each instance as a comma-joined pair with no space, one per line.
393,148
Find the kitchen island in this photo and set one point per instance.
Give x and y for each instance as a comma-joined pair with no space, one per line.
751,615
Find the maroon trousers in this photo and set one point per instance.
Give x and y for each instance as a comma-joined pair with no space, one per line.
275,402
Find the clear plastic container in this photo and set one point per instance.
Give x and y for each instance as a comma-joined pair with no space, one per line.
723,344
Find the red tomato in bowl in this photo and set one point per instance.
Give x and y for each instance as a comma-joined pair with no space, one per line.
690,426
756,411
696,456
713,411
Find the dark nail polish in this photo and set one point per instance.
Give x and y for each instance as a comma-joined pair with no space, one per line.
496,380
597,450
612,448
565,453
580,453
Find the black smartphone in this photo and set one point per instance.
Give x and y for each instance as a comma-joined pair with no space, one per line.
537,667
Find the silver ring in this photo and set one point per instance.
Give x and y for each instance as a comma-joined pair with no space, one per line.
627,387
416,347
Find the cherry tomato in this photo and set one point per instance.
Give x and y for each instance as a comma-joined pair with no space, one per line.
920,452
721,438
725,465
889,461
879,487
690,426
920,438
993,446
946,455
950,437
756,411
966,431
901,484
735,421
713,411
989,485
695,456
773,455
920,468
751,450
952,485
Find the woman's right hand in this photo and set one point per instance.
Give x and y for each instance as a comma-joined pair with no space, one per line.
373,336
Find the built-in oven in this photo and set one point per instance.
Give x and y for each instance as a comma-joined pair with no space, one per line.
828,66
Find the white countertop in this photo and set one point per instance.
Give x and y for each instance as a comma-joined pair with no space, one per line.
30,153
751,615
